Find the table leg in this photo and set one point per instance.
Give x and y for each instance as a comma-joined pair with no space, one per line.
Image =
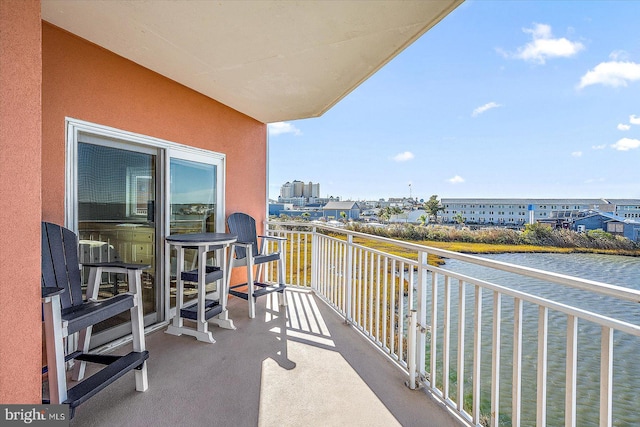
203,333
222,319
178,322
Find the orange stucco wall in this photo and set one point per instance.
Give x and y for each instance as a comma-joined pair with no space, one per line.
20,141
46,75
86,82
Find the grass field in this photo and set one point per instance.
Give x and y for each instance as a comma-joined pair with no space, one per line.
483,248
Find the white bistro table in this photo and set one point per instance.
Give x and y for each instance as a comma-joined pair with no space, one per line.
204,243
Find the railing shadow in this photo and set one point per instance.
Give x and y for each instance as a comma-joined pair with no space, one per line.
339,378
294,365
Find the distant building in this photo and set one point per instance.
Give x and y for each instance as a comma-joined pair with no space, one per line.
401,202
369,213
626,208
311,190
276,208
516,212
297,189
323,200
286,191
295,201
288,209
371,204
412,217
332,210
610,223
309,214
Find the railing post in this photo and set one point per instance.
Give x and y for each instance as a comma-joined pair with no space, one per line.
411,348
349,278
606,377
572,372
422,312
314,259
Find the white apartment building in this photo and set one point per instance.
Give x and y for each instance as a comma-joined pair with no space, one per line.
519,211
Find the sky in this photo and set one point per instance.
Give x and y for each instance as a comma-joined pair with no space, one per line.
513,99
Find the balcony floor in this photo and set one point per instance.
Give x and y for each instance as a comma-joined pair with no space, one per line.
309,370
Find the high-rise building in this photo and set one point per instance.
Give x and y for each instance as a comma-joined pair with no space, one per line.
286,191
311,190
297,188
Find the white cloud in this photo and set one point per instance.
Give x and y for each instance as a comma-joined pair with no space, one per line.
279,128
599,147
612,74
576,154
626,144
403,157
619,55
456,180
593,180
484,108
634,120
622,126
543,46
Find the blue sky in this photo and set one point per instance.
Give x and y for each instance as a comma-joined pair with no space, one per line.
500,99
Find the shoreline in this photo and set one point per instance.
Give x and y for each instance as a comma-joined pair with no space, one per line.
487,248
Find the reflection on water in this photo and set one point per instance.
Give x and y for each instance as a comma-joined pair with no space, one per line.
616,270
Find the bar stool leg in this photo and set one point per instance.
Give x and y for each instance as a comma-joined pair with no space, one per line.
250,284
137,327
282,298
55,350
84,336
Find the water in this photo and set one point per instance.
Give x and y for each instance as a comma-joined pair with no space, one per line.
616,270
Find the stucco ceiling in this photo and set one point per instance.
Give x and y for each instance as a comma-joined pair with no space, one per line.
271,60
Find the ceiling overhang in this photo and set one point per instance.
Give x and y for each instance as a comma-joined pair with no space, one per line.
271,60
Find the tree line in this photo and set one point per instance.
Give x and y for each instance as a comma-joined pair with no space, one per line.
533,234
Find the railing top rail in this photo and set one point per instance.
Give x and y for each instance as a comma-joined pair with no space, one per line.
376,251
562,279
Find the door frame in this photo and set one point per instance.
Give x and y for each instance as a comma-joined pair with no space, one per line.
76,129
198,156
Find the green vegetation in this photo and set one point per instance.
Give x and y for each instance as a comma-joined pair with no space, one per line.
535,238
385,213
432,207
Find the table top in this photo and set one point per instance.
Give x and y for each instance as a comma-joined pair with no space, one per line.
202,238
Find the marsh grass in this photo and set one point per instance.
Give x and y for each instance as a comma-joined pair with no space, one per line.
535,238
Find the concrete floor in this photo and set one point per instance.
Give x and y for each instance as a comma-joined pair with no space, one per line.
304,369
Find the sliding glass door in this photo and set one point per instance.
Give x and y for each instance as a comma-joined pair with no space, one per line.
194,195
117,221
125,194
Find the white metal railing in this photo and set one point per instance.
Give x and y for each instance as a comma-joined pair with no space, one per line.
377,291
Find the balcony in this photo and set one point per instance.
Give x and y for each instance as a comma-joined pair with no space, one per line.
291,366
368,320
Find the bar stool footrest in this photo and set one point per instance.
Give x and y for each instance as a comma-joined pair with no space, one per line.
212,274
263,289
81,392
212,308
